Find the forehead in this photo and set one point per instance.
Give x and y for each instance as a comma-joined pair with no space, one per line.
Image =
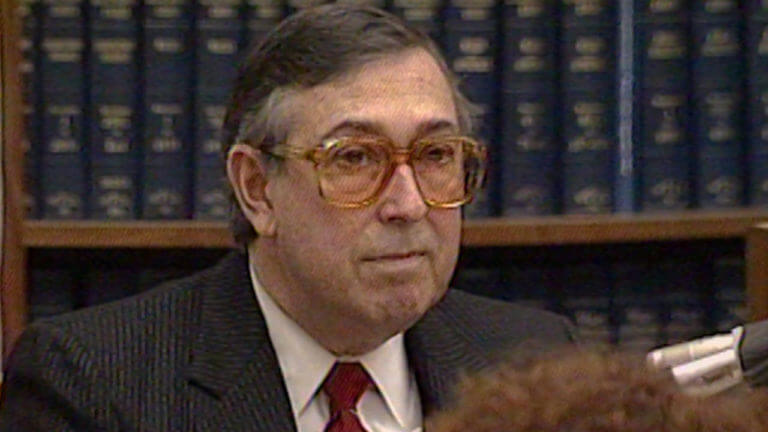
397,95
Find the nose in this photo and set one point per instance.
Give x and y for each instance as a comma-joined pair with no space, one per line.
401,200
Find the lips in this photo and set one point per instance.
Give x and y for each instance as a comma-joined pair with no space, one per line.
395,256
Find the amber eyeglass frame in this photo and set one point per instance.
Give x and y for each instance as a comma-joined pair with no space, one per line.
473,181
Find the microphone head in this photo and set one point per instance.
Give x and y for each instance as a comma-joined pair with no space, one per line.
674,355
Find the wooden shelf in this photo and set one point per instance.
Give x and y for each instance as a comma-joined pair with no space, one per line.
133,234
538,231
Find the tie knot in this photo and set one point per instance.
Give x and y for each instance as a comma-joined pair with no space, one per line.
345,384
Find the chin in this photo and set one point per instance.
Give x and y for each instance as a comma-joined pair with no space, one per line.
410,303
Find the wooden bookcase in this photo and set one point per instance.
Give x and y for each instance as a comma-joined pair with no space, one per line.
19,235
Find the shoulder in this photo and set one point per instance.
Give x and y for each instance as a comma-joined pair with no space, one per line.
156,321
491,319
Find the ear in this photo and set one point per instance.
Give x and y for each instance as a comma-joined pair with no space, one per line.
248,176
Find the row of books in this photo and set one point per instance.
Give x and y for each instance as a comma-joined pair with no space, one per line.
588,106
638,305
632,304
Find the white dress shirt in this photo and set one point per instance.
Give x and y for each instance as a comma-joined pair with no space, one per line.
393,406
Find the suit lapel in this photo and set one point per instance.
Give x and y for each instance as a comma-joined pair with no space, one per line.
438,353
233,362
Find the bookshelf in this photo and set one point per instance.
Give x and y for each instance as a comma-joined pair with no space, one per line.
539,231
22,236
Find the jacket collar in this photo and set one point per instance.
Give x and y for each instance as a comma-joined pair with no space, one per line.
234,361
232,357
439,353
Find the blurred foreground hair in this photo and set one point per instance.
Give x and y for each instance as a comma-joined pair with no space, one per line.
592,392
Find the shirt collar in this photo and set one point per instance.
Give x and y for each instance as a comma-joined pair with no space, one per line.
305,363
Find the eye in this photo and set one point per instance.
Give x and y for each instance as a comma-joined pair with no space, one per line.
438,153
354,156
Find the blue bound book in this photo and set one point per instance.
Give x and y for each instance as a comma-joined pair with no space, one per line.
114,91
28,12
210,199
167,110
718,101
113,188
530,151
62,188
260,17
166,186
589,79
423,14
757,111
662,107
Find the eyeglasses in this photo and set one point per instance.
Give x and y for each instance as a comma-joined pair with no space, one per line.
353,171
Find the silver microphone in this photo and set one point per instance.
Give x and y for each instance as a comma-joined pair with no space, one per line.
703,366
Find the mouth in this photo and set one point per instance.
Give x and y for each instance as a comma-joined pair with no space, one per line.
395,256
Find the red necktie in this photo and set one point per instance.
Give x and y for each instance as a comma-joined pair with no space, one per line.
344,386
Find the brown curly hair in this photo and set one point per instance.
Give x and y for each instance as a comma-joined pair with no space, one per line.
592,392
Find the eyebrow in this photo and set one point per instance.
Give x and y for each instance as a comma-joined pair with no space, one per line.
426,128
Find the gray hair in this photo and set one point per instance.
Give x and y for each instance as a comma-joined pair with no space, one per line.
313,47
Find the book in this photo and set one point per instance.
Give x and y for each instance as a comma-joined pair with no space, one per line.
637,303
718,99
219,29
114,101
28,13
529,136
588,98
586,296
260,17
63,157
757,103
167,110
422,14
52,291
211,192
663,159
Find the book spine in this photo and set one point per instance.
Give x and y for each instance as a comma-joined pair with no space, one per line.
718,101
588,74
211,191
637,307
730,298
114,109
757,116
260,16
28,13
218,39
470,40
662,114
529,135
422,14
52,291
168,74
63,193
586,295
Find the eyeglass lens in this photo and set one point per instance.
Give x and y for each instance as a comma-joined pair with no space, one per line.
353,171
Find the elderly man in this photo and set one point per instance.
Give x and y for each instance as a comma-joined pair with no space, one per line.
348,153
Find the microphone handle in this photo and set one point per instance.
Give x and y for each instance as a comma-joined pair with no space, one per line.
753,352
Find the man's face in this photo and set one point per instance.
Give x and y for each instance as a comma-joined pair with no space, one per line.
378,267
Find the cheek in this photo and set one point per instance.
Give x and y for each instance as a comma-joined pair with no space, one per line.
448,229
310,228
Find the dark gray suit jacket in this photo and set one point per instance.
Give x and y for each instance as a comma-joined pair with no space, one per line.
194,355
